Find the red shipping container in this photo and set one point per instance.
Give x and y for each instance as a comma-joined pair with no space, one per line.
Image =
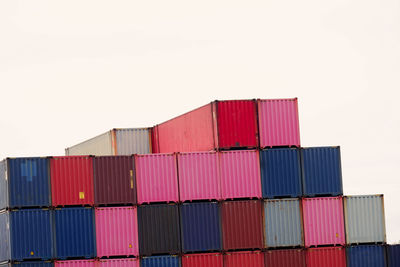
72,180
202,260
244,259
327,257
285,258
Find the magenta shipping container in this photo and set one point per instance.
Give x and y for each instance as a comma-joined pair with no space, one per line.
118,263
199,176
323,221
75,263
240,174
156,178
116,231
278,122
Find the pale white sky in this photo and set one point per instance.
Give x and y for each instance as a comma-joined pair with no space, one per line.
70,70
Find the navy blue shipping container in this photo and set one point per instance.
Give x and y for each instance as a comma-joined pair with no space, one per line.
160,261
366,256
322,171
201,227
280,173
75,233
393,255
28,264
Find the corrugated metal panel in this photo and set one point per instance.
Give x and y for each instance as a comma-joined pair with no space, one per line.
322,173
159,229
280,173
393,255
326,257
100,145
119,263
3,185
285,258
242,225
31,264
114,180
202,260
283,223
72,180
75,263
240,174
201,227
366,256
199,176
323,221
133,141
365,219
75,233
160,261
244,259
278,121
157,178
5,246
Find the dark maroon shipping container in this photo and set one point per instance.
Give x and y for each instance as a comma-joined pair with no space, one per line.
114,180
242,225
285,258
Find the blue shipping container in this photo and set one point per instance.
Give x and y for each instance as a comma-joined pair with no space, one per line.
201,227
322,171
366,256
75,233
160,261
393,255
280,173
28,264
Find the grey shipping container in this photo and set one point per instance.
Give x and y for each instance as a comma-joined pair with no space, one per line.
28,264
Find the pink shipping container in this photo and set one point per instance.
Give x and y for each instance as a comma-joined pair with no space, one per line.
323,221
199,176
278,122
119,263
240,174
156,178
75,263
117,232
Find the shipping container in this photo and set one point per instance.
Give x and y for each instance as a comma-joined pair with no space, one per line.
218,125
285,258
326,257
283,223
75,263
75,233
160,261
393,256
159,229
365,219
125,141
278,121
323,221
366,256
242,225
240,174
5,246
202,260
157,178
322,172
28,264
72,180
116,231
201,227
129,262
244,259
199,176
114,180
3,185
280,173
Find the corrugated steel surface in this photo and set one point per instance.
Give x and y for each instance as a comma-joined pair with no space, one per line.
157,178
393,256
201,227
75,233
366,256
29,264
285,258
323,221
322,172
160,261
365,219
5,246
280,173
100,145
114,180
132,141
283,223
244,259
326,257
202,260
3,185
75,263
72,180
240,174
159,229
278,121
199,176
116,231
242,224
131,262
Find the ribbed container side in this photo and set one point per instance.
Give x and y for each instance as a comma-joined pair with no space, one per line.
133,141
157,178
278,122
3,185
100,145
366,256
114,180
201,227
280,173
244,259
202,260
75,263
393,256
116,231
199,176
159,229
72,180
242,225
5,246
322,172
365,219
29,264
285,258
283,223
326,257
75,233
161,261
154,139
237,124
240,174
131,262
323,221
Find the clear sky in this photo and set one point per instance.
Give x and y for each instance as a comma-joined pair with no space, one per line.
70,70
